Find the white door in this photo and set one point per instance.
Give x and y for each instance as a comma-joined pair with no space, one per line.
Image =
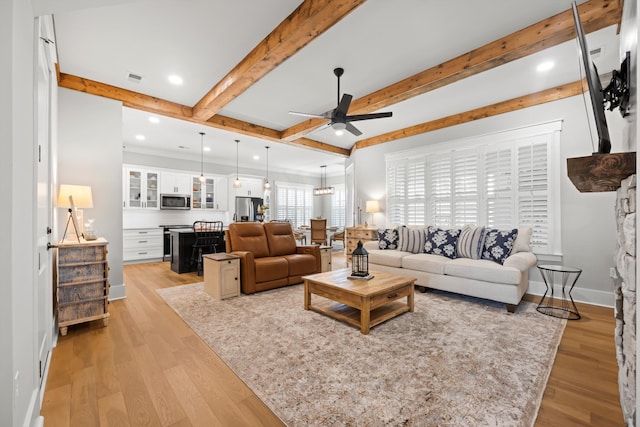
44,294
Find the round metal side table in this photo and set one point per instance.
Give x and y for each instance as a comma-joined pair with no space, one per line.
561,306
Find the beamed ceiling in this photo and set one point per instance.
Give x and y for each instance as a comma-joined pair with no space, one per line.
247,63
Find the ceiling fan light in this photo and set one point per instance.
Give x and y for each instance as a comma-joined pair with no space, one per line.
339,126
339,132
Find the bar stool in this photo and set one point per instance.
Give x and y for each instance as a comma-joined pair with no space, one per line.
208,237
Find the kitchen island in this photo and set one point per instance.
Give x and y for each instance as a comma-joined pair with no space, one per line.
182,240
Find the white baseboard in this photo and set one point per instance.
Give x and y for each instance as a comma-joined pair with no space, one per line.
588,296
117,292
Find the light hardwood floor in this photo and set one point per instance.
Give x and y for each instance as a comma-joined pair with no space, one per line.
148,368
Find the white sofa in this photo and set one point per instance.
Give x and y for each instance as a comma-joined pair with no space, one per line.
480,278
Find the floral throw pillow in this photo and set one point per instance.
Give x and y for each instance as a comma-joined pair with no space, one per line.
441,242
498,244
388,238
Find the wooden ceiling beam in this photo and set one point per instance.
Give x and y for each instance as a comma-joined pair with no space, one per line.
161,107
302,26
553,94
594,14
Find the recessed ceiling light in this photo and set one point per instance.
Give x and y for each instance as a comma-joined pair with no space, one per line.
207,149
140,137
545,66
154,119
256,157
176,80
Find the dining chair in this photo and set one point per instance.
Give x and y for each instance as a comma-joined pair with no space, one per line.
319,231
209,236
338,236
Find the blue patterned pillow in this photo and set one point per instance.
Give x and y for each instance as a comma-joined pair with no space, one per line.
388,238
498,244
441,242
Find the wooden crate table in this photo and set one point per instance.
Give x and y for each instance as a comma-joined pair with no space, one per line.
360,303
82,284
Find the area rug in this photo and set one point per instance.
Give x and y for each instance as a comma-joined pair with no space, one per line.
455,361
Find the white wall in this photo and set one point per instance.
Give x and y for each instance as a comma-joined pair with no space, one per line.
18,329
90,153
588,222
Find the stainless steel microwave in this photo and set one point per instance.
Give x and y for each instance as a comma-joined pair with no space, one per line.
175,201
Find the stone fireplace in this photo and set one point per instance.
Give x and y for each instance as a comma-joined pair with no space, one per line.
625,297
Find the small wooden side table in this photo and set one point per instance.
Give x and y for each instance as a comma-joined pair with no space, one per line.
325,258
221,275
561,306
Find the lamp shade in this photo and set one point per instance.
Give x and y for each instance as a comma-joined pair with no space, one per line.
372,206
81,194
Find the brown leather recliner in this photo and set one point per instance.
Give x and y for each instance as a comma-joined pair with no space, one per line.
269,257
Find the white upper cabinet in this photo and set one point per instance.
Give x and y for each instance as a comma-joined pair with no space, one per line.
175,183
141,189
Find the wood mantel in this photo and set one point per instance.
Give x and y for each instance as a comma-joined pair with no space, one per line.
601,172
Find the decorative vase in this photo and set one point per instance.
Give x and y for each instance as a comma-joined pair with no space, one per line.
90,230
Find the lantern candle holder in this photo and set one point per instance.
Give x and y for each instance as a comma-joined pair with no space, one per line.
360,263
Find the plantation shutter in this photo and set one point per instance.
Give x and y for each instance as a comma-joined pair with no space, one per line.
440,180
498,183
533,189
294,203
338,203
415,192
396,182
465,188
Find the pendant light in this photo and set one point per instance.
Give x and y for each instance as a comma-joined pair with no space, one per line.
201,156
267,185
323,190
237,183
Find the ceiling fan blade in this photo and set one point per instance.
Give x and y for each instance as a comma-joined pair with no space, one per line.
317,116
343,107
359,117
354,130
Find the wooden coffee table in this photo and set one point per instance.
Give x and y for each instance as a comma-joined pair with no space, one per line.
361,303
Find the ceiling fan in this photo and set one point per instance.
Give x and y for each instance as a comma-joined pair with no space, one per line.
339,120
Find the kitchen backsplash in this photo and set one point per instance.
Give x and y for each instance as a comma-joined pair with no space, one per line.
132,218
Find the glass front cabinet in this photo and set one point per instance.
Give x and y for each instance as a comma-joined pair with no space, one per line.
210,194
141,189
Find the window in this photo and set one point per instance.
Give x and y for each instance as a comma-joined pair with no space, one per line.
294,203
501,180
338,212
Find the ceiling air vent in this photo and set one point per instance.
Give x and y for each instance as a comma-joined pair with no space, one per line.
132,77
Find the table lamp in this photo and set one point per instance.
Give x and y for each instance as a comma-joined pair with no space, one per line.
76,198
372,207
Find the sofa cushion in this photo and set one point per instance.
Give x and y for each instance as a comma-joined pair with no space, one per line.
470,242
250,237
388,238
280,238
271,268
301,264
485,270
498,244
441,242
388,258
425,262
411,239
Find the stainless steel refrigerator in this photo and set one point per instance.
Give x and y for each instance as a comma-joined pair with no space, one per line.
247,209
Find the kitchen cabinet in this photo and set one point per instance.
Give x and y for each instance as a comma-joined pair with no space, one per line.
81,283
210,194
141,189
175,183
251,187
139,244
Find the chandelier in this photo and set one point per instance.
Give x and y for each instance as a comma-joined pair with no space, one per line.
323,190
